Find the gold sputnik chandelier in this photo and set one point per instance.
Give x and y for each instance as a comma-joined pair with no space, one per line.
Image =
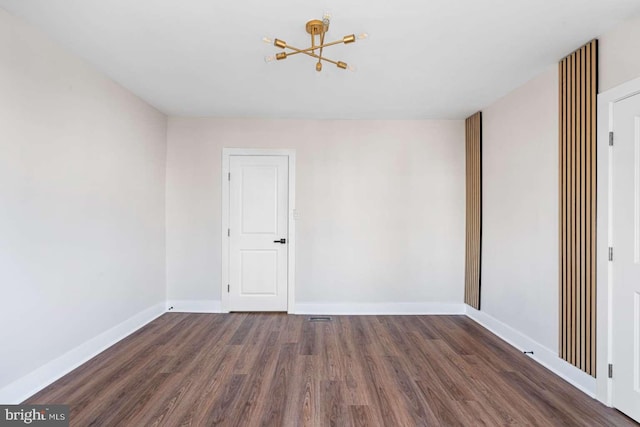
317,29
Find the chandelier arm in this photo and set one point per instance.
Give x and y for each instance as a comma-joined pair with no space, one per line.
322,58
297,51
314,48
311,54
321,43
328,60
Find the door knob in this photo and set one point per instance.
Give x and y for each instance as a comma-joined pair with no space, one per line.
283,241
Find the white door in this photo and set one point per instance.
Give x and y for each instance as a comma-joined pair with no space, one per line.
258,217
626,256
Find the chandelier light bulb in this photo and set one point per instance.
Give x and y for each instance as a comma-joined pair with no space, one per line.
267,40
269,58
352,68
363,36
326,20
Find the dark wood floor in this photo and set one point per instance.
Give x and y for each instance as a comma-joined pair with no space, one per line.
282,370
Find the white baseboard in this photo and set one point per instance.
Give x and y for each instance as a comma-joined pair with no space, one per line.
27,386
541,354
194,306
399,308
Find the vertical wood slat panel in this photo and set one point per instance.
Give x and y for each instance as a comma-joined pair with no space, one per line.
562,78
473,240
476,193
572,219
581,219
577,206
572,209
578,202
593,148
467,232
589,194
478,152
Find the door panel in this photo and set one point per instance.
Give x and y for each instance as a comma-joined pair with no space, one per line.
626,259
258,218
258,272
259,199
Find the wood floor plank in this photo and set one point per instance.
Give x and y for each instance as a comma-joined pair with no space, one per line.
537,398
385,398
440,405
303,394
356,393
220,410
206,379
438,371
281,381
333,353
282,370
253,399
257,338
360,416
416,404
334,411
308,341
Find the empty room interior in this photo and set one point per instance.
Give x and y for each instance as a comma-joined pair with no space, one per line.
344,213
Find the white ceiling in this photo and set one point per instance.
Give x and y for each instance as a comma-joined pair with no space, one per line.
423,59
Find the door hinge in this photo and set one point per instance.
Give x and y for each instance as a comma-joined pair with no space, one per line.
611,139
610,253
228,232
229,176
228,288
610,370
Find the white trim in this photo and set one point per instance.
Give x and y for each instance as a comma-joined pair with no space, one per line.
291,247
606,100
541,354
27,386
392,308
194,306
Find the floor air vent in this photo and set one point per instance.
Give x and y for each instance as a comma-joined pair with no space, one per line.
320,319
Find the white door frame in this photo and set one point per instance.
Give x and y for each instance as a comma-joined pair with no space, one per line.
606,102
291,232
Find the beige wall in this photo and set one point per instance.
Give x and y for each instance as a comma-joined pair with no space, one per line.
520,209
82,168
381,207
620,54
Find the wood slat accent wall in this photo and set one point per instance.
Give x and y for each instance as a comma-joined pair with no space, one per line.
473,245
578,74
